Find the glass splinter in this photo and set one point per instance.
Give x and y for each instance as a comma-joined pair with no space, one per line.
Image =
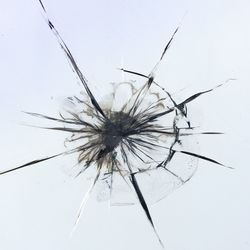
131,144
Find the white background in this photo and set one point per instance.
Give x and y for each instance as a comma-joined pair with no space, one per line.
38,205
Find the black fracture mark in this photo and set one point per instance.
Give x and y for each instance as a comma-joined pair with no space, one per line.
76,121
197,156
55,119
144,76
181,134
70,130
72,62
203,158
30,163
71,151
143,204
139,194
169,43
164,51
150,77
193,97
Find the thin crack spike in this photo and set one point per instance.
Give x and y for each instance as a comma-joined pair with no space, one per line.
30,163
84,200
169,43
182,104
164,51
72,61
144,204
71,151
56,119
150,77
203,158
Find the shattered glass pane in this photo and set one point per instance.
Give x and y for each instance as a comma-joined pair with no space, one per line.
139,143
